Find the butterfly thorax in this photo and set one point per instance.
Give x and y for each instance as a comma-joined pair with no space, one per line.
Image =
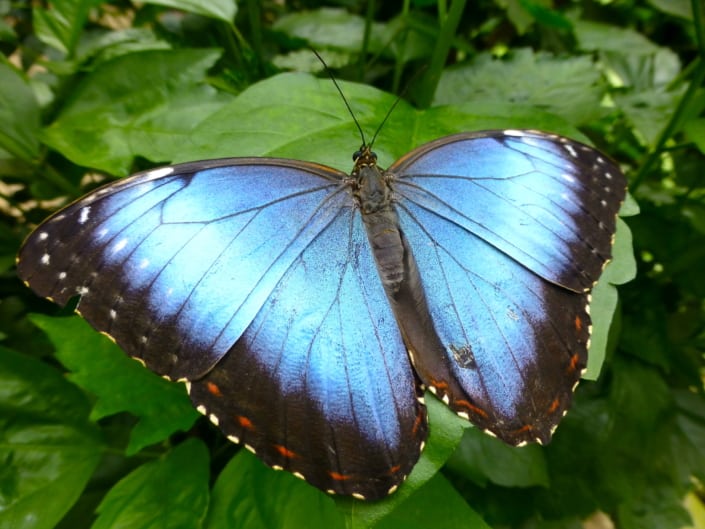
373,195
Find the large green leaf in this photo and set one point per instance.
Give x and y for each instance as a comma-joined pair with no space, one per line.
566,86
438,504
169,492
248,494
303,117
607,37
139,104
119,383
49,448
486,459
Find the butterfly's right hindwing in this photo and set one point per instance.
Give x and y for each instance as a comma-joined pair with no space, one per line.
320,383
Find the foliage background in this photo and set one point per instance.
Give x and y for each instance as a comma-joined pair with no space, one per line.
94,90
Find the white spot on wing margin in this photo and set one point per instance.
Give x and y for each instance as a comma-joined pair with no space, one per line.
160,172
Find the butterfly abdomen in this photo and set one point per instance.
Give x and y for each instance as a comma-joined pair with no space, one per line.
385,239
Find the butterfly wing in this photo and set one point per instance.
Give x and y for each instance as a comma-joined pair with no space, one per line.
320,383
509,231
547,202
175,263
254,279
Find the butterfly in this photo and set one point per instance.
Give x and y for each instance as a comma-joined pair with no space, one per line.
307,309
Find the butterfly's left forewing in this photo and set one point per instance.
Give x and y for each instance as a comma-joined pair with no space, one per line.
175,263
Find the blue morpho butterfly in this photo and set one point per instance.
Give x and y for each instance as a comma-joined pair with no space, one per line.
307,309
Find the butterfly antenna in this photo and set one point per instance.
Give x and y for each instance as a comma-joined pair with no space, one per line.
389,113
396,102
337,86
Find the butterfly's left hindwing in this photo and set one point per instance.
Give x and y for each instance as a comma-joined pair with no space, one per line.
175,263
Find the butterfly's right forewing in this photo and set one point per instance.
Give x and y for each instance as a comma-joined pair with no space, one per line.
175,263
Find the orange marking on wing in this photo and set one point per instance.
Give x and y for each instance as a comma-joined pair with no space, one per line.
573,363
525,428
439,384
213,389
554,405
283,450
245,422
471,407
339,477
578,323
417,424
394,469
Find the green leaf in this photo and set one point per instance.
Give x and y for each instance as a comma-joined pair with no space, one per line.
249,494
119,383
290,115
169,492
102,46
446,430
567,87
49,448
679,8
141,104
605,297
19,115
660,506
414,36
639,395
220,9
61,24
303,117
436,505
608,37
542,11
695,129
484,459
331,28
649,110
685,450
517,14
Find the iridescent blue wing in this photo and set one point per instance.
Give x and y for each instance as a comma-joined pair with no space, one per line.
175,263
252,278
320,383
509,230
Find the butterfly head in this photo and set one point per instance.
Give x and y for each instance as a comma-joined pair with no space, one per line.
364,156
370,188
